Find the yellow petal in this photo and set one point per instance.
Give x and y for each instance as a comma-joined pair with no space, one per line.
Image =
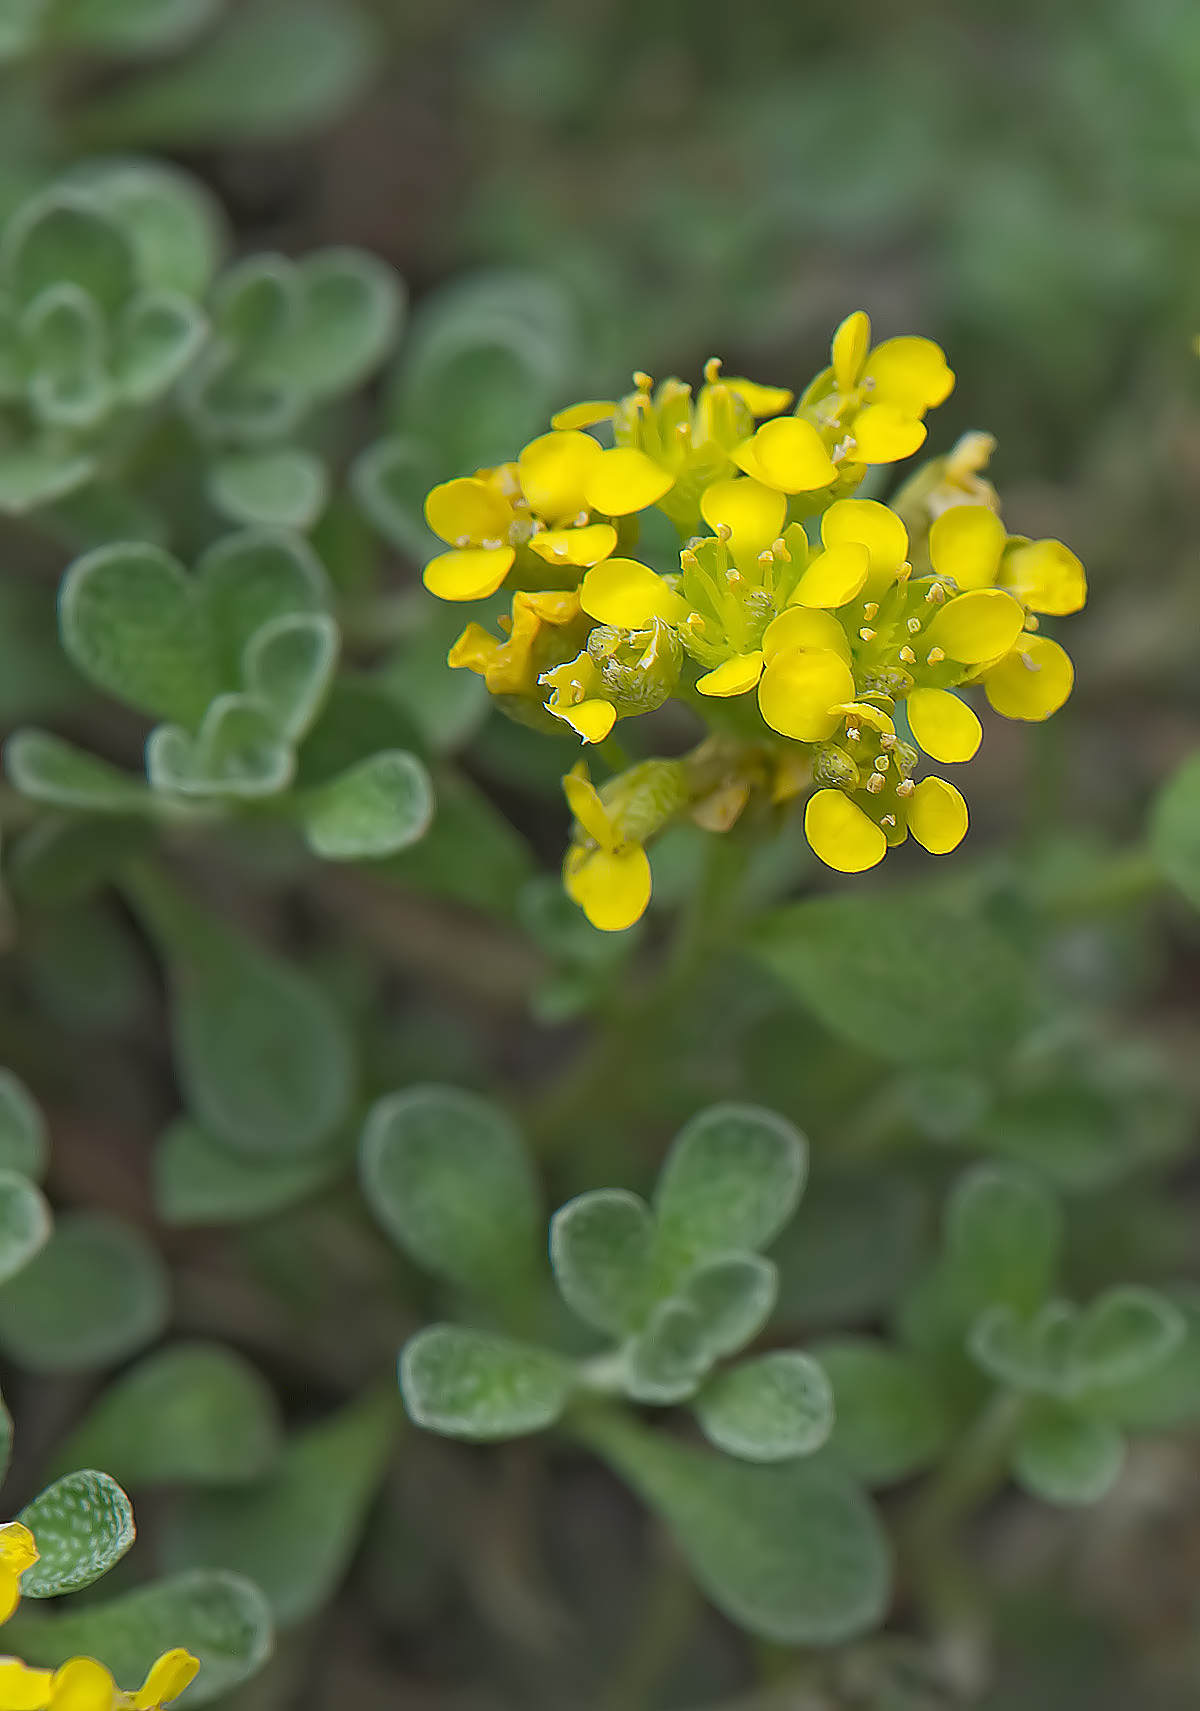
18,1548
760,400
22,1688
612,889
584,415
470,575
911,373
623,592
583,799
1032,682
884,433
168,1677
804,627
623,480
575,546
753,513
980,625
798,690
733,677
787,454
944,726
937,816
865,713
591,720
553,470
841,834
834,576
850,345
1047,577
966,542
871,524
82,1684
468,509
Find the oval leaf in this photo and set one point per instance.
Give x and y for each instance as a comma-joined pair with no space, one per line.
448,1176
82,1525
376,809
97,1292
601,1249
472,1384
770,1409
732,1180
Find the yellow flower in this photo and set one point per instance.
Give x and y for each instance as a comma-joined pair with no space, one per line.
578,698
82,1684
606,873
870,404
541,629
483,518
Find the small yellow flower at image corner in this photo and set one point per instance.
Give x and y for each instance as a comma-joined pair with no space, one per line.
83,1684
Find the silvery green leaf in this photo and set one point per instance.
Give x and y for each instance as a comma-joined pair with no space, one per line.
476,1385
770,1409
376,809
82,1525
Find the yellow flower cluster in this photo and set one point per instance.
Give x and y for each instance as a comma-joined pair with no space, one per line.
80,1684
802,621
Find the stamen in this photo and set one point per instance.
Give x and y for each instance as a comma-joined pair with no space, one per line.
935,656
1029,664
866,634
870,609
875,783
936,594
712,370
908,656
905,788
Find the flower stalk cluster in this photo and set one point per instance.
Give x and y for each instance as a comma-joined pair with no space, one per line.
831,643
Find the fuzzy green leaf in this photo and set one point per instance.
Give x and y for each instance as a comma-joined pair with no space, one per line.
24,1223
263,1059
381,806
1002,1234
96,1293
732,1180
904,978
23,1143
158,334
794,1553
768,1410
734,1296
889,1423
48,769
1066,1457
1123,1336
295,1532
66,237
199,1181
193,1414
221,1617
670,1355
601,1249
1175,829
449,1177
286,487
173,223
82,1525
472,1384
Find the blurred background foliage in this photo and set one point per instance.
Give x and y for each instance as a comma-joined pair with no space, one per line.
570,191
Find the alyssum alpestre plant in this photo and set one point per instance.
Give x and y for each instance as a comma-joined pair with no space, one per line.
773,1330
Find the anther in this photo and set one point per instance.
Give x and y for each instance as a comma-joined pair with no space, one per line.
712,370
889,820
1031,621
853,732
870,609
866,634
881,763
695,622
462,542
936,594
767,560
905,787
935,656
875,783
643,382
724,533
779,548
688,559
908,656
1029,664
914,626
733,576
579,521
887,741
